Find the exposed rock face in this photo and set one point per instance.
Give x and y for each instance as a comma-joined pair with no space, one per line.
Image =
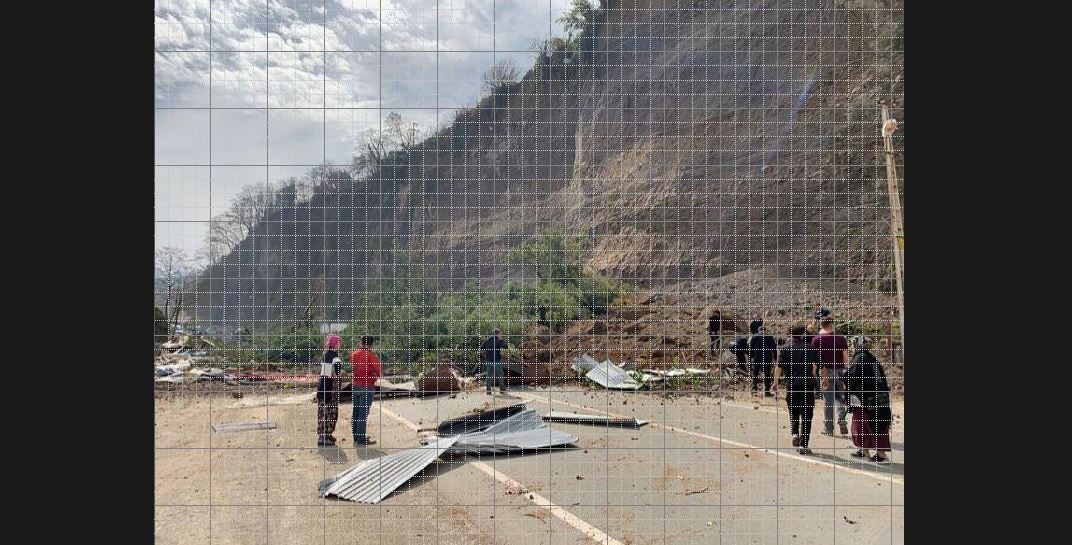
696,143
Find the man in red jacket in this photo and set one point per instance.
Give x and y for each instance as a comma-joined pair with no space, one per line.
367,369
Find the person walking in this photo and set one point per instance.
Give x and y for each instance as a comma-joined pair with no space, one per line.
492,349
798,361
869,401
739,348
327,392
813,325
832,348
367,369
714,332
763,351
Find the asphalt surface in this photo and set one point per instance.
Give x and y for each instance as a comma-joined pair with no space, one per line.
706,470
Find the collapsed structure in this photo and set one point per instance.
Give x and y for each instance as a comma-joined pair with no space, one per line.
523,431
613,377
373,480
507,429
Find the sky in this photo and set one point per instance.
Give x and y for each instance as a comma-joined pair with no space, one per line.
258,91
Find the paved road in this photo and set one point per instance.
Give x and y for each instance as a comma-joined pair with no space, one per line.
704,471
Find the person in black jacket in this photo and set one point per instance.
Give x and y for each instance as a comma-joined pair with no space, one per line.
869,401
327,392
739,348
799,363
763,351
492,349
714,331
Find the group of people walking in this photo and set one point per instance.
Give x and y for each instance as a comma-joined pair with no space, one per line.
366,370
810,364
814,363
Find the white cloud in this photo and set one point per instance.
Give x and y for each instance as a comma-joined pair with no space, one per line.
310,65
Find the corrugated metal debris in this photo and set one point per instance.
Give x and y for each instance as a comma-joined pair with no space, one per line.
373,480
387,388
507,429
276,378
478,421
191,375
171,369
244,426
583,364
611,376
384,388
652,376
525,430
575,418
688,371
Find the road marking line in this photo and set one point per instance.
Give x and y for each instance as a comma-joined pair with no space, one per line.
592,532
813,461
577,523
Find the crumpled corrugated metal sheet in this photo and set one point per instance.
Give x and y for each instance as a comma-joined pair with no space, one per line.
525,430
688,371
484,443
584,363
576,418
611,376
477,421
373,480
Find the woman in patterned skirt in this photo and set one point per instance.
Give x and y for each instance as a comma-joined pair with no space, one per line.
327,392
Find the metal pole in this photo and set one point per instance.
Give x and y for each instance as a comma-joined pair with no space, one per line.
896,220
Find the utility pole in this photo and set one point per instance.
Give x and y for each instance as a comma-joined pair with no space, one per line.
896,220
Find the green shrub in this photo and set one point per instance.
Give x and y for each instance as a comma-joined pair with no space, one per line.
416,325
597,294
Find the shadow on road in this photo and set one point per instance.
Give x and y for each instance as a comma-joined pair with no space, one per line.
333,454
441,466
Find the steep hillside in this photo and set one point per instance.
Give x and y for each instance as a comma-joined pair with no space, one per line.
723,153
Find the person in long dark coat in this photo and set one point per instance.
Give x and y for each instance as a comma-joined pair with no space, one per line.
798,362
869,401
714,332
327,392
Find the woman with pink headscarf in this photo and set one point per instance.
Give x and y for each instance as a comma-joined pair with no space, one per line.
327,392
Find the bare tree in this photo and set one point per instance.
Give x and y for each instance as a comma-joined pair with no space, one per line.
172,265
224,235
372,156
501,75
540,46
250,206
397,134
329,178
405,135
228,229
542,49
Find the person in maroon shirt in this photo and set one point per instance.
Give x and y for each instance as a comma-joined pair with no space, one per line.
832,348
